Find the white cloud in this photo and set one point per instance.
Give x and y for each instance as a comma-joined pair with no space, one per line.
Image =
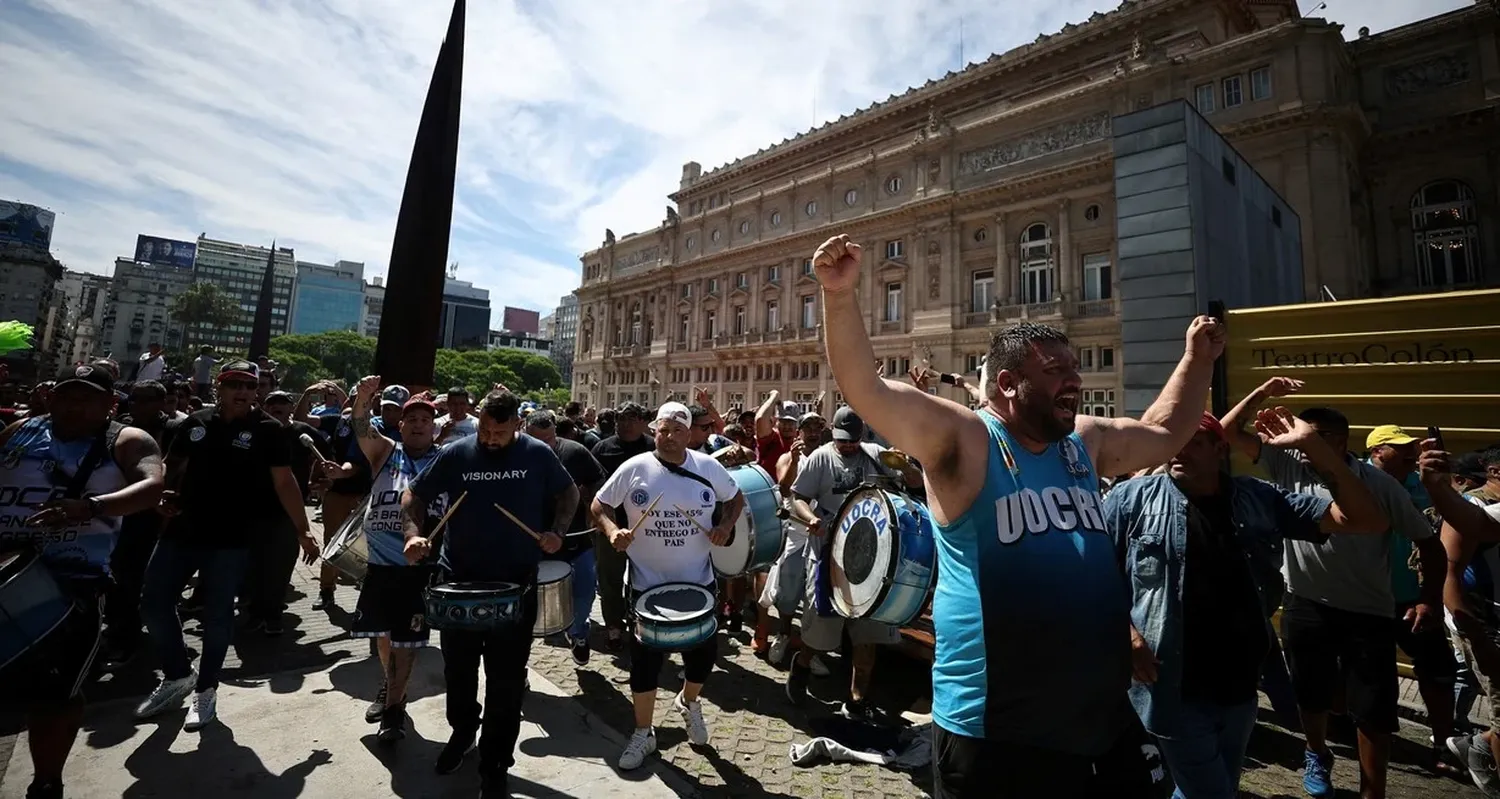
294,120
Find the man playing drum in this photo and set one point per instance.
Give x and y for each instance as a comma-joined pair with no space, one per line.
669,497
498,468
390,607
1031,611
67,480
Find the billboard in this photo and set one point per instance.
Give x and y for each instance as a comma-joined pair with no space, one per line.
165,252
520,320
26,224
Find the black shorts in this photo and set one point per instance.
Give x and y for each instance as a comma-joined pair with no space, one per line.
964,767
56,669
646,663
391,605
1327,647
1431,651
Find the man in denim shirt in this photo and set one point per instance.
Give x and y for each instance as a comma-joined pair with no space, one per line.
1199,635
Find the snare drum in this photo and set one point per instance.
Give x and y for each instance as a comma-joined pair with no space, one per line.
554,598
32,604
675,617
884,557
349,551
473,607
758,536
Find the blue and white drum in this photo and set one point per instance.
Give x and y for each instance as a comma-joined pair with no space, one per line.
758,536
884,556
32,604
474,607
675,617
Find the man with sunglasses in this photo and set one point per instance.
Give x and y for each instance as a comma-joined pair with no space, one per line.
229,477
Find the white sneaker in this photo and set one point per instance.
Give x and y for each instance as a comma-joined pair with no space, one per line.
202,710
692,716
642,743
166,695
819,668
777,655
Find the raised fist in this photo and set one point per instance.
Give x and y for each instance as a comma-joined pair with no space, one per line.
836,264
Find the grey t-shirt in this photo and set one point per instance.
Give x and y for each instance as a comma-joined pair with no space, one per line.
826,478
203,367
1349,571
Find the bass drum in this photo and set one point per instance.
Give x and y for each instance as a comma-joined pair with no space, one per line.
884,555
758,536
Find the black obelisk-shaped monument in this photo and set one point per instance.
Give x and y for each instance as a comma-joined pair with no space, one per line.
419,252
260,332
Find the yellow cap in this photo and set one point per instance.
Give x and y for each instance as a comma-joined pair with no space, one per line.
1388,434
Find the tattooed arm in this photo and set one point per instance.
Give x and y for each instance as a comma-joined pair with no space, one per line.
376,447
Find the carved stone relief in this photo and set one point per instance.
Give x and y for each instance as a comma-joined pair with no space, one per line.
646,255
1438,72
1036,144
934,171
934,281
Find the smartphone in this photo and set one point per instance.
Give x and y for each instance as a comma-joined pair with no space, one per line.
1436,435
950,379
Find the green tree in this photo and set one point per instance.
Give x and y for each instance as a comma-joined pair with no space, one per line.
204,305
297,370
345,355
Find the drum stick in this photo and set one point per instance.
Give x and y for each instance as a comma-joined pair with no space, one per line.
518,522
694,520
438,530
645,516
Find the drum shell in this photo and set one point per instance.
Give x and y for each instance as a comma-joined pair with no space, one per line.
758,523
473,607
349,550
32,605
554,604
676,636
907,583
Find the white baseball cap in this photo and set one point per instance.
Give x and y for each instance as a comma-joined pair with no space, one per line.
673,412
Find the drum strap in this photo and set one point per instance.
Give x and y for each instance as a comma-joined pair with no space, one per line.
103,444
682,472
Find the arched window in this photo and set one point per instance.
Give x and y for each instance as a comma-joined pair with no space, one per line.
1445,234
1038,272
635,323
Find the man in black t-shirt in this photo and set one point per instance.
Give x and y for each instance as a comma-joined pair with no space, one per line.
578,550
229,476
629,440
138,532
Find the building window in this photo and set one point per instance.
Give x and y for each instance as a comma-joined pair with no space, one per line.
1233,95
1445,233
1260,83
1038,276
773,316
716,235
1098,402
973,362
744,226
981,234
742,280
1097,277
1085,359
775,219
893,302
773,274
1106,359
689,243
687,291
982,292
739,320
711,324
894,249
713,285
851,197
811,209
1091,213
893,184
807,267
809,312
1204,98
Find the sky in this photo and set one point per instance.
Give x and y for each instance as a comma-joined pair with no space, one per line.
293,120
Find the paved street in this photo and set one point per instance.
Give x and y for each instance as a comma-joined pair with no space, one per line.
752,724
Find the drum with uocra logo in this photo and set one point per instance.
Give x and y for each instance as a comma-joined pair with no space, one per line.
554,598
349,551
675,617
32,604
475,607
884,556
758,536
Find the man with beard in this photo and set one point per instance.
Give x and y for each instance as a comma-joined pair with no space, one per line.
1199,548
229,478
628,440
390,608
498,466
1032,613
84,473
578,550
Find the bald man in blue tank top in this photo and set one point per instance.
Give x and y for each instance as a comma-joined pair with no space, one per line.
1031,611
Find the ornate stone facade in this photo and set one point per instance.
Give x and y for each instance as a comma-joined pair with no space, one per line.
986,197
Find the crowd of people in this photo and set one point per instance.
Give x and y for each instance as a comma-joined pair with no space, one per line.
1078,654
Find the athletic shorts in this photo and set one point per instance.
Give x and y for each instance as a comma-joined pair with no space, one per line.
1328,648
56,668
826,633
391,605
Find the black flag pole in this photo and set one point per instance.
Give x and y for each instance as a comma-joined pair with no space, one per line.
410,315
260,332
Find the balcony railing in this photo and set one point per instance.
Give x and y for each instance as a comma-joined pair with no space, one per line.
807,333
887,327
1094,308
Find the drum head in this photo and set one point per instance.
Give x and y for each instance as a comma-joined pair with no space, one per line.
675,602
476,589
863,546
550,571
732,558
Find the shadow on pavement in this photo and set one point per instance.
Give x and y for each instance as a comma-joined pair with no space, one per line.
557,715
360,677
218,766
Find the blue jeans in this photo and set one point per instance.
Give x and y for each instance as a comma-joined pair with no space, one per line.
1207,750
219,575
584,579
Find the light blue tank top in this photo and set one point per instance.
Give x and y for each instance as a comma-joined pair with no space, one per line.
36,468
383,527
1031,612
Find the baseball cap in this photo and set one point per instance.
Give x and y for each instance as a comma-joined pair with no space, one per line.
1470,466
239,368
394,395
672,412
847,426
419,401
636,410
790,410
279,396
810,416
87,375
1210,424
1388,434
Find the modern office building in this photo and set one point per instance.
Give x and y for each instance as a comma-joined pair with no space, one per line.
137,311
465,320
328,297
75,317
564,332
374,301
988,196
237,270
505,340
28,281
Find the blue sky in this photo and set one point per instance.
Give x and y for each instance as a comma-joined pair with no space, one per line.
292,120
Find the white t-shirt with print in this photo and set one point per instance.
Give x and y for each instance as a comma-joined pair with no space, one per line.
462,428
668,547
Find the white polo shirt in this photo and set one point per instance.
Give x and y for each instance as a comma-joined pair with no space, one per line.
669,547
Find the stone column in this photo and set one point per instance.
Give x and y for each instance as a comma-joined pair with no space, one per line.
1005,281
1066,277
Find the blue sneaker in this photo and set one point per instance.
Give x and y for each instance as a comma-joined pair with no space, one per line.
1317,774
